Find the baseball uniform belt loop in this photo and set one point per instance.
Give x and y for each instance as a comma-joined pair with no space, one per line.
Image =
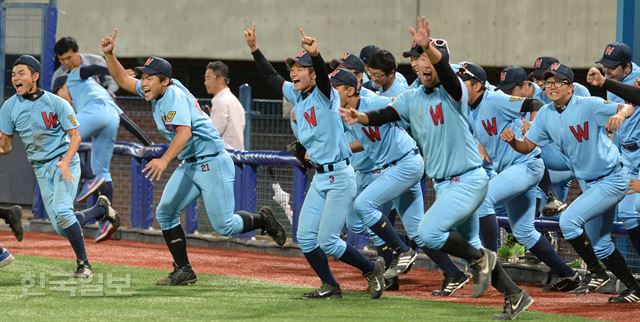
630,147
617,168
196,159
454,177
41,162
332,166
414,151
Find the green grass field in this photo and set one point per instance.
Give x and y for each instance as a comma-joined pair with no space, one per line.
213,298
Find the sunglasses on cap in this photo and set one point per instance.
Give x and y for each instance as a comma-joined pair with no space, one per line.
463,71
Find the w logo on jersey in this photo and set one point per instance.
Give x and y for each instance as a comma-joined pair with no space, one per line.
490,126
372,132
50,120
436,116
581,133
609,50
311,117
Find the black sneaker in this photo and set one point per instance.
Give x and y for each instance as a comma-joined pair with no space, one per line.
272,227
15,222
553,206
592,282
451,285
628,296
482,268
401,264
326,291
565,284
180,276
514,305
84,269
375,279
392,284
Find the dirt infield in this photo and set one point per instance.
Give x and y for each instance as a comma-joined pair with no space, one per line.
295,271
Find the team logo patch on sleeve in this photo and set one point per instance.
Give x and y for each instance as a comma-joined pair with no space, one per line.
515,99
72,119
170,116
607,102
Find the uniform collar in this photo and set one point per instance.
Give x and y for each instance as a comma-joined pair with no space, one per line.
475,104
563,108
33,96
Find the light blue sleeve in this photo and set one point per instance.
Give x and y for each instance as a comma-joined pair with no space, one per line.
602,110
289,92
509,106
177,112
67,117
402,105
538,133
6,123
580,90
139,88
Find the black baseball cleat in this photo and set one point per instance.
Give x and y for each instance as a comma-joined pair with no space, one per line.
450,285
375,279
482,268
514,305
592,282
84,269
15,222
401,264
272,227
180,276
564,284
553,206
628,296
392,284
326,291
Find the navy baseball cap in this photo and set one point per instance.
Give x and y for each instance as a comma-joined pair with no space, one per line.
541,65
510,77
29,61
344,77
560,71
414,51
614,54
469,71
349,61
367,51
155,66
302,58
58,83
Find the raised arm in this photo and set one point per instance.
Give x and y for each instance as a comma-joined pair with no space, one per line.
310,45
628,93
262,64
116,70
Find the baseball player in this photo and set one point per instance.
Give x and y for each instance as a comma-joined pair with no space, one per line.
618,66
100,117
541,65
48,128
365,55
578,125
316,123
518,175
206,169
355,65
13,217
382,70
437,113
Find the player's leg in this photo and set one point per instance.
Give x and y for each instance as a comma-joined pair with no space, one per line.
553,160
486,212
629,215
5,257
13,217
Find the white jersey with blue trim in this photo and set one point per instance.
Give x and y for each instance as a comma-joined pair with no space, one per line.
439,125
177,107
580,132
319,126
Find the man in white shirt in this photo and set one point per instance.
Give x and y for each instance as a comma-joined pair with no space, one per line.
226,111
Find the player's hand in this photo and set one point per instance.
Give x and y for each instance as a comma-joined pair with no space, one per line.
614,122
349,115
130,72
422,33
594,77
507,135
309,44
634,186
250,37
64,168
525,126
637,82
154,169
109,42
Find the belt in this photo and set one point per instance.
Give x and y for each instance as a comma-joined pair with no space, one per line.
617,168
454,177
630,147
538,156
196,159
331,166
41,162
394,162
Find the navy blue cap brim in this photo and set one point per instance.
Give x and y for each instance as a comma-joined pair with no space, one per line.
506,86
550,73
292,61
609,63
146,70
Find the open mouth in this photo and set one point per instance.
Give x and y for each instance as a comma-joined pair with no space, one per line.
18,85
295,81
146,91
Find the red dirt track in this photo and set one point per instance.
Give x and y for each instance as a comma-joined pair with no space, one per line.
295,271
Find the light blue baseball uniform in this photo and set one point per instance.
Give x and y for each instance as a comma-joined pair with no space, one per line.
518,175
628,138
439,125
100,118
579,131
206,169
365,92
320,129
394,151
42,124
398,87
